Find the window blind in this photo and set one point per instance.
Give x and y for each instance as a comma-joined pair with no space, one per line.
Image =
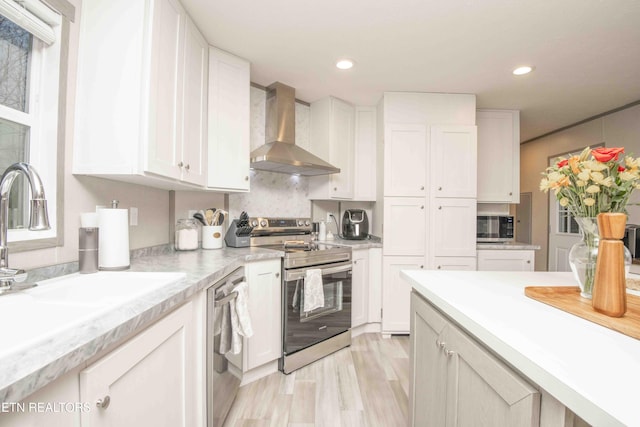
32,15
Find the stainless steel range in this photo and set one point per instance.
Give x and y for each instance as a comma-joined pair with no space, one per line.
308,333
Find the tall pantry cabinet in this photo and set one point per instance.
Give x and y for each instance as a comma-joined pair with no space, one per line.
428,191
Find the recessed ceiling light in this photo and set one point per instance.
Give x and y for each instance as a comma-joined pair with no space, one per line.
522,70
344,64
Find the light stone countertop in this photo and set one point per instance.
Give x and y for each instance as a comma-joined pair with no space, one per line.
507,246
372,242
27,370
592,370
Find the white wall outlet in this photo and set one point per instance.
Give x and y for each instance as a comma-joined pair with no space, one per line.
133,216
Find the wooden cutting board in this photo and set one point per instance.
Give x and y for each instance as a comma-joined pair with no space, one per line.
567,298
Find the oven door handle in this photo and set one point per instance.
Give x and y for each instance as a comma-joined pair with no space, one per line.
300,274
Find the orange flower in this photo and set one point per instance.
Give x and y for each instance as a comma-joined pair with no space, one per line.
604,155
573,162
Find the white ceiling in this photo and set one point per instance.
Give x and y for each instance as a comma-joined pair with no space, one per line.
586,52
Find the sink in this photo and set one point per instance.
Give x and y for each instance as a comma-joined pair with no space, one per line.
102,288
60,304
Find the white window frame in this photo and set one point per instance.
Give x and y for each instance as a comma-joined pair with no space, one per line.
565,215
42,120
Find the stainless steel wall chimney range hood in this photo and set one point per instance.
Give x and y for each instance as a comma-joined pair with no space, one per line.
280,154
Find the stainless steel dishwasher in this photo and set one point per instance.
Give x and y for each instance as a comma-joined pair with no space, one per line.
223,377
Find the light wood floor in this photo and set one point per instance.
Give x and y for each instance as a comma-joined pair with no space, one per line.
366,384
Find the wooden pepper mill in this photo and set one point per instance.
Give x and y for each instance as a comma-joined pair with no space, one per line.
609,286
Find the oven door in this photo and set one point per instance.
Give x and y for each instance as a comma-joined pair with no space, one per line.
303,329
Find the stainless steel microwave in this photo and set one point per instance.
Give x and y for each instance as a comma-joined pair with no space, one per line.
495,228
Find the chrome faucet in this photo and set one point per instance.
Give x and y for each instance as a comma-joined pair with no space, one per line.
38,219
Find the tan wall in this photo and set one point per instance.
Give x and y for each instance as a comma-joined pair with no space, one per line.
620,129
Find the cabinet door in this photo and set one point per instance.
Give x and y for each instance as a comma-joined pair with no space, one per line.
498,156
155,370
194,122
165,93
374,289
365,155
453,161
228,124
359,287
453,227
481,390
342,148
265,302
404,231
506,260
396,293
454,263
427,389
405,157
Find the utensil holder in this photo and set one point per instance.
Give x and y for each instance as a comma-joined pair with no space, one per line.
211,237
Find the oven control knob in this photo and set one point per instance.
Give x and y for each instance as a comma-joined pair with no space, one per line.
307,223
254,223
263,223
300,223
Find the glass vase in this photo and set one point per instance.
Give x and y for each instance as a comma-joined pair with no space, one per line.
584,254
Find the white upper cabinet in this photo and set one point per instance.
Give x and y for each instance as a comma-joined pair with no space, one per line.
453,161
365,155
498,156
453,227
194,107
137,119
405,226
229,116
405,158
332,139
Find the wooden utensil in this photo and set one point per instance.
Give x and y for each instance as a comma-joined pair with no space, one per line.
209,216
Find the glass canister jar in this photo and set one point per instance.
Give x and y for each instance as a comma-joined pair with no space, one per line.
186,235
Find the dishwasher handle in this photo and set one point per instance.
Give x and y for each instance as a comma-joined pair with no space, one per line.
227,299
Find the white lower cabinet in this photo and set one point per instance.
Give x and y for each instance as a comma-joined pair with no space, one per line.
374,290
506,260
150,379
359,287
396,293
456,382
265,303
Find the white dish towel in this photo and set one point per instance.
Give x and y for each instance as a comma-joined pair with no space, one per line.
235,322
313,290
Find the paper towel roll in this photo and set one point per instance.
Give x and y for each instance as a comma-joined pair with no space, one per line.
114,239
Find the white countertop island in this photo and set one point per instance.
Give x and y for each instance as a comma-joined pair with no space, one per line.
592,370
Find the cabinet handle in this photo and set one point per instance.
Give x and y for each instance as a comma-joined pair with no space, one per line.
439,267
277,275
439,207
528,261
422,207
441,344
180,165
246,178
439,188
104,402
355,262
335,188
422,187
187,167
422,266
510,193
449,353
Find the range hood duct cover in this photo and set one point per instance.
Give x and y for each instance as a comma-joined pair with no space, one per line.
280,154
